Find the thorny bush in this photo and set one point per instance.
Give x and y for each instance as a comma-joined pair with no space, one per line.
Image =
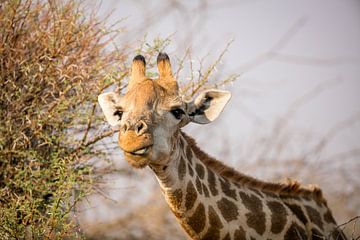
53,64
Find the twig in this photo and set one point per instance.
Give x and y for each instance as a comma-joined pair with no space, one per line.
347,222
181,63
344,224
205,78
103,194
99,137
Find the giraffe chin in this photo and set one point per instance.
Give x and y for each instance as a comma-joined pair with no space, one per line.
137,161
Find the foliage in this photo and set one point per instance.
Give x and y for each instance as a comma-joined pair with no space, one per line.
53,64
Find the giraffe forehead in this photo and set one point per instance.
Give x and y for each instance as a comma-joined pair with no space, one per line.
147,95
141,95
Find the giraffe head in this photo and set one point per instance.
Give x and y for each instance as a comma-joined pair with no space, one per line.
151,112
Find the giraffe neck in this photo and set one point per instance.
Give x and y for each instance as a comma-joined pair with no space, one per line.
184,183
210,206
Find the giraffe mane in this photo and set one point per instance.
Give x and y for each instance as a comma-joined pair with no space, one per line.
290,188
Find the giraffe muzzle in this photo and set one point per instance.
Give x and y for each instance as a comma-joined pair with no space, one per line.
130,142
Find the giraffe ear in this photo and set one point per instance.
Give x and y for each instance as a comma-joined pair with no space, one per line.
109,103
208,106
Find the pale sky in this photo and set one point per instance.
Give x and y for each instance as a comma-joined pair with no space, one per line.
283,50
316,42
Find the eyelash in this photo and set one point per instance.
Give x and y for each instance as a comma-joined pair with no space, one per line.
177,113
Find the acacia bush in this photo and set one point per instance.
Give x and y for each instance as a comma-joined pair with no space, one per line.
53,64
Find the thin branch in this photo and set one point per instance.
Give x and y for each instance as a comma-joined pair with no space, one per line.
104,195
343,225
210,70
99,137
181,63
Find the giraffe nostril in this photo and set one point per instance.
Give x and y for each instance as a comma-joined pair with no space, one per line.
140,127
125,127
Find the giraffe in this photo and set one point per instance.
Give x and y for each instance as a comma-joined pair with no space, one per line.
209,199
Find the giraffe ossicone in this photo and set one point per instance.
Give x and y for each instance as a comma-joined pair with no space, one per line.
209,199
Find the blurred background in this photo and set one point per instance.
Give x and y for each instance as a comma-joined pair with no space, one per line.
295,110
293,69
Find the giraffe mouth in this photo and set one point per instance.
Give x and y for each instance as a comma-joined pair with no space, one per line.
138,158
141,151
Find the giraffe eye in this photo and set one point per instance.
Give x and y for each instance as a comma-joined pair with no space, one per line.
119,114
177,113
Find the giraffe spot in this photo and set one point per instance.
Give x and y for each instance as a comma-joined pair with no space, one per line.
238,185
318,202
198,185
257,192
252,238
307,198
176,198
226,188
270,194
256,221
191,171
212,183
181,168
227,237
314,216
251,202
228,209
214,219
278,216
206,191
298,212
189,154
316,235
200,170
295,232
240,234
256,216
191,195
212,233
197,220
328,217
